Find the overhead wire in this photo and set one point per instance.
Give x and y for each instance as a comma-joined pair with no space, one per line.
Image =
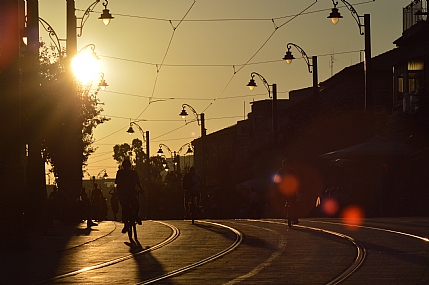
235,71
232,77
224,19
218,65
257,51
158,69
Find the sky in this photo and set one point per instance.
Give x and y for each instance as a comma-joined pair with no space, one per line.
159,54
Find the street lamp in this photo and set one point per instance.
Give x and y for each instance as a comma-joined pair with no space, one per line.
175,155
105,16
104,175
103,84
183,114
335,16
172,154
252,85
289,58
145,139
188,151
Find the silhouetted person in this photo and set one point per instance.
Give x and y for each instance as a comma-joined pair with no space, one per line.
254,204
54,205
288,184
86,208
114,202
126,181
191,183
96,202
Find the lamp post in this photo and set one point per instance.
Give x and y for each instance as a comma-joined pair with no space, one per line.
172,154
252,85
175,155
335,16
201,122
104,175
289,58
74,143
188,151
145,136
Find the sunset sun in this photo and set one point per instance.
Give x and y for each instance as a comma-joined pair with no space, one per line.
85,67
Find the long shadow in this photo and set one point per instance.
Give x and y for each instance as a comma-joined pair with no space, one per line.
148,266
42,260
249,240
415,258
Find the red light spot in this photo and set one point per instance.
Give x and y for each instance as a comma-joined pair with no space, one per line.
352,216
289,185
330,206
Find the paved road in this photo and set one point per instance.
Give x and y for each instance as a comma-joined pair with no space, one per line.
317,251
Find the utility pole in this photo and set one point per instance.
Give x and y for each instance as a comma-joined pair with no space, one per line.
33,128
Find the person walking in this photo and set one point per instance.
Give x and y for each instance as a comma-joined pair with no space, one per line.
288,187
114,202
96,202
192,184
86,208
126,182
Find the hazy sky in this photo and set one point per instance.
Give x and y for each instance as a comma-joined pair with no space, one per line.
154,62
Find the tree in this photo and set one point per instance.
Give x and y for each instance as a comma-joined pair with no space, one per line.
55,113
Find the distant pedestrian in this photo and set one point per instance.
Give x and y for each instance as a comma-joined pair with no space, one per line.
126,181
191,183
254,204
54,205
85,204
96,202
114,202
288,187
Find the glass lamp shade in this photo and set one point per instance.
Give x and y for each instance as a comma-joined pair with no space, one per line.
160,152
288,57
103,84
130,130
251,84
335,16
106,16
183,114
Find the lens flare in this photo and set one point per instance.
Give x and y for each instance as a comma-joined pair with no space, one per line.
288,184
352,217
330,206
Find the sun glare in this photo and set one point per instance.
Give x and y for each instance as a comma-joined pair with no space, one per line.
352,217
85,67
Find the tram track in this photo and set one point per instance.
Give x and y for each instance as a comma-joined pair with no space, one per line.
175,233
266,245
234,245
360,250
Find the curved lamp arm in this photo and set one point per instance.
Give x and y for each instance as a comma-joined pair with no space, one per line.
131,130
104,175
160,152
189,150
53,35
289,57
252,83
352,11
184,113
92,47
85,17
